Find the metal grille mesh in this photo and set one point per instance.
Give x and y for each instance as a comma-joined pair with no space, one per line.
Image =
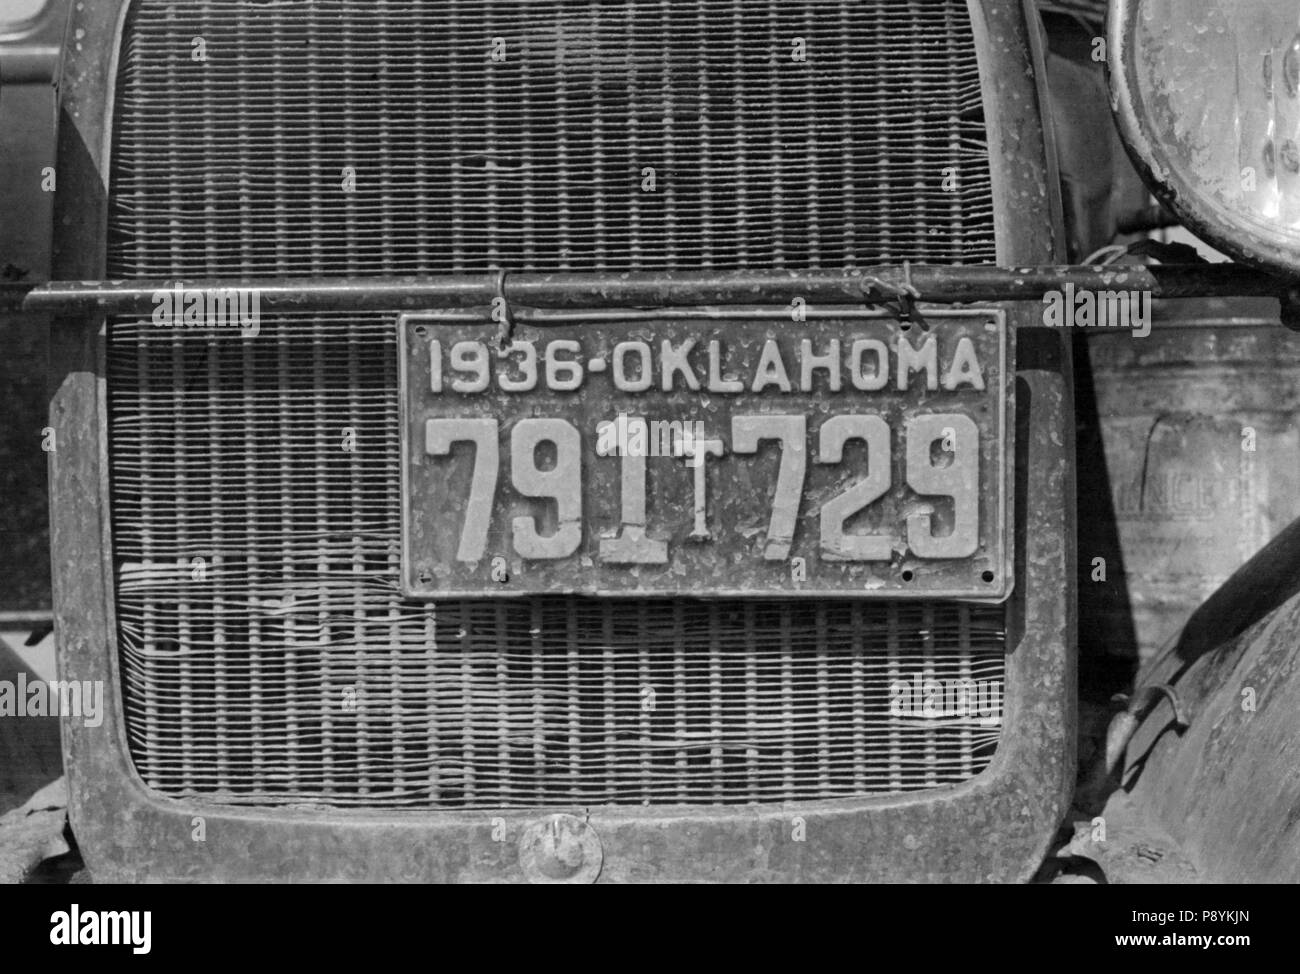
872,148
267,656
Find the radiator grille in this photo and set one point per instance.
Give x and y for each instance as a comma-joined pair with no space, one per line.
871,149
267,656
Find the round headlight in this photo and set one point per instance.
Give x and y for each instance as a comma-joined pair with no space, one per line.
1207,97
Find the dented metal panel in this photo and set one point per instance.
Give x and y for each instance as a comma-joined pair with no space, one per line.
1226,787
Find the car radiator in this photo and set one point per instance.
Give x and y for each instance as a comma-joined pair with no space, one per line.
266,654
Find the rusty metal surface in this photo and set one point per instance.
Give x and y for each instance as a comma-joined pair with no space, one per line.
562,849
1199,423
886,285
1226,788
1213,762
1129,847
996,827
728,527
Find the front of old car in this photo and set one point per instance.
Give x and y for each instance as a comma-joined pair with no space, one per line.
375,591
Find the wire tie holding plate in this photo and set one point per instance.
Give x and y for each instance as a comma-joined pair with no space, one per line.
907,298
900,299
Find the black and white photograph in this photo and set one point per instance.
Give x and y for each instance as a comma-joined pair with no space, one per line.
650,442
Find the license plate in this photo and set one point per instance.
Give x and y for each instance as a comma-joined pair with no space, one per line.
666,454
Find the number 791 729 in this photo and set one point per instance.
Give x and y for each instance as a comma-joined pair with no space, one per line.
942,460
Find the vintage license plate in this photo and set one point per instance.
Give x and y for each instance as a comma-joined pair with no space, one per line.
707,456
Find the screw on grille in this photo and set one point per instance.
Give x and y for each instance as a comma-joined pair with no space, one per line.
560,849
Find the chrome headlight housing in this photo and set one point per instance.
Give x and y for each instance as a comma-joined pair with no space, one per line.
1207,97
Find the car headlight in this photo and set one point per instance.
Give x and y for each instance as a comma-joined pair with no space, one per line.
1207,97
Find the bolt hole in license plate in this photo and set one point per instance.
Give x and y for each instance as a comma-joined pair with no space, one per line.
735,453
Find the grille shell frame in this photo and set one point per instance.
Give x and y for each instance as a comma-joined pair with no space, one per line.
219,449
127,831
